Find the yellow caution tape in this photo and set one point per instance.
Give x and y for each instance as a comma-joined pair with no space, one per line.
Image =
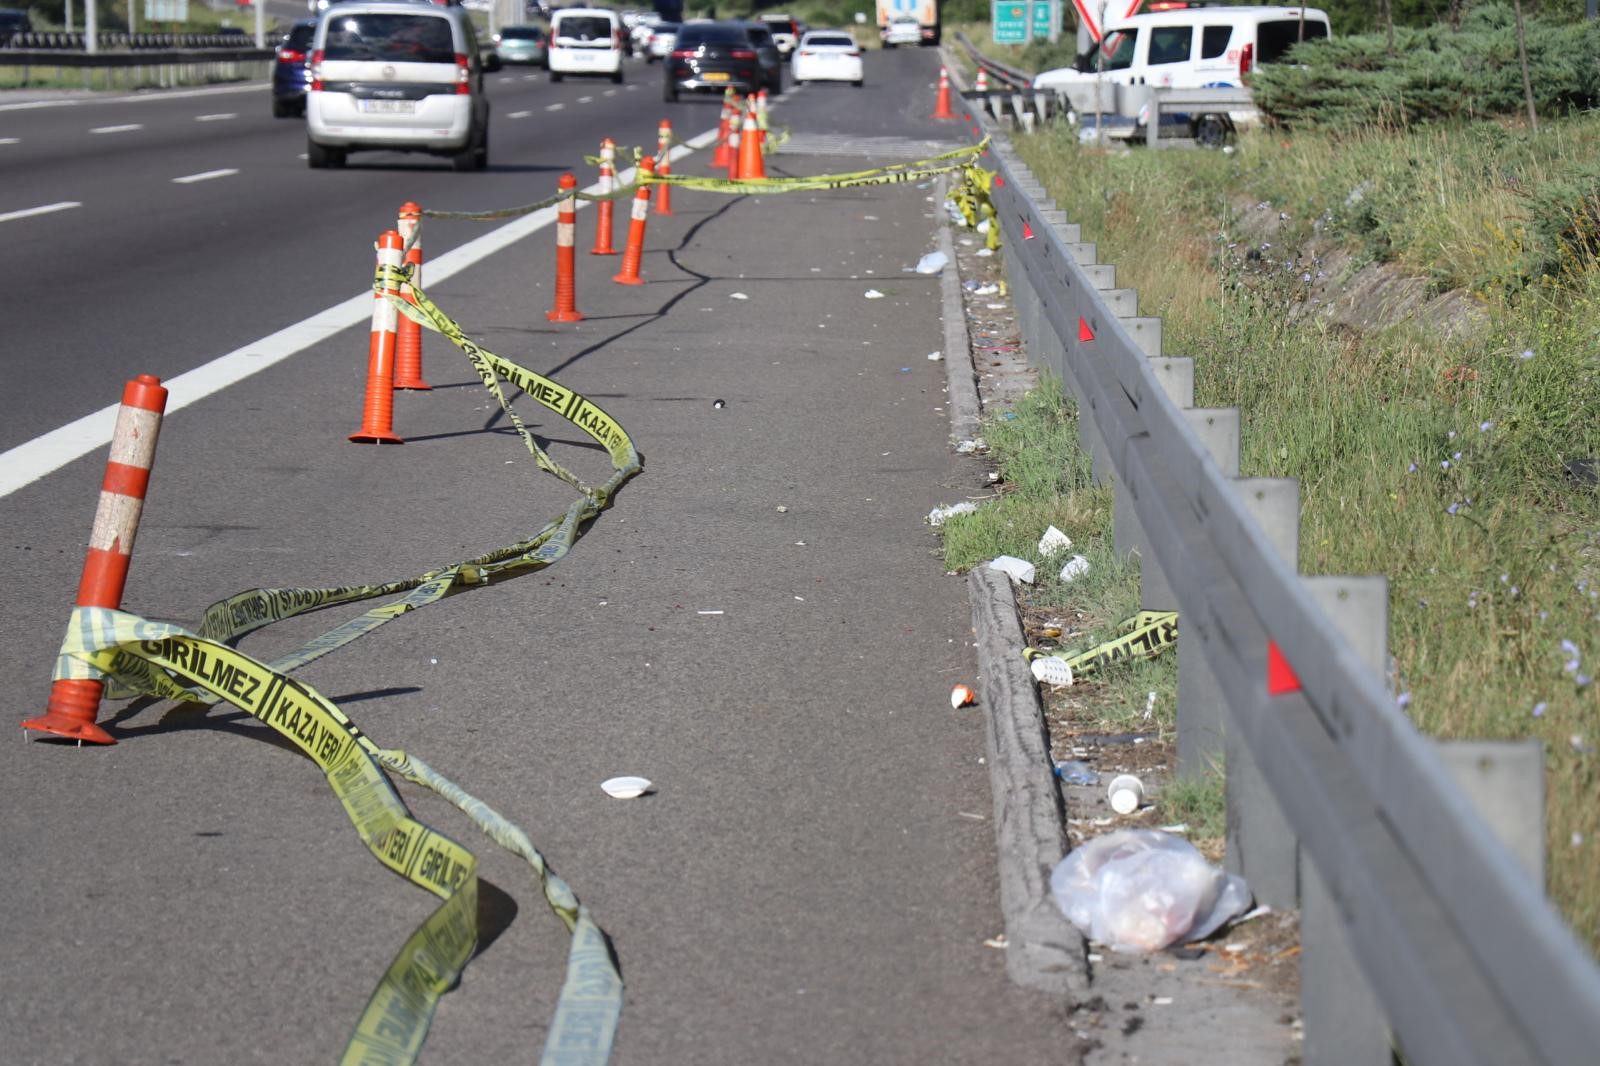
1144,636
165,660
139,657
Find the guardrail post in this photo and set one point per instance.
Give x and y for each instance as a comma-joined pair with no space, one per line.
1505,781
1261,847
1344,1026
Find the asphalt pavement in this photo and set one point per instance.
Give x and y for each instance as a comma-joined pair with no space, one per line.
760,624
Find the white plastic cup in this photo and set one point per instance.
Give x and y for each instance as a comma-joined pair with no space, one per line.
1126,793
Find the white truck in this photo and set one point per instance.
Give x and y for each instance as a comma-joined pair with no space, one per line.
1189,48
908,22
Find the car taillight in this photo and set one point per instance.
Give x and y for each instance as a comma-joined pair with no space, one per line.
291,55
616,38
741,53
804,52
1247,56
463,76
316,70
683,53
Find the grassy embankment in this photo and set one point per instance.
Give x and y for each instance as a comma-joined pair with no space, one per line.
1439,462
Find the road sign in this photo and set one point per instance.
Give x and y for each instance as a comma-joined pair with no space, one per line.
1009,20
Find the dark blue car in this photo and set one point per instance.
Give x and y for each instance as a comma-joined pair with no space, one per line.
291,70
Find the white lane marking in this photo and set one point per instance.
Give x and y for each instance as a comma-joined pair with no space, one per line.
118,129
166,94
27,463
554,107
64,205
222,117
205,176
585,99
609,92
519,114
530,77
9,140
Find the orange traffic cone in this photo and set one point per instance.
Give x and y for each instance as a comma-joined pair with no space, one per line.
664,166
982,84
75,700
720,156
751,164
641,211
602,214
941,107
377,412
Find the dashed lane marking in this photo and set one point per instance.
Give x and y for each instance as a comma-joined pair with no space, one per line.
127,128
519,114
223,117
555,107
64,205
206,175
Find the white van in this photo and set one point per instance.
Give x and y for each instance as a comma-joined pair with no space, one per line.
1190,48
585,40
396,74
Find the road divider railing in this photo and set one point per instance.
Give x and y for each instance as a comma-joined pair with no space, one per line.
1422,930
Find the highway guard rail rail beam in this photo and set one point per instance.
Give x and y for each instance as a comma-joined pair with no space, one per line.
1468,961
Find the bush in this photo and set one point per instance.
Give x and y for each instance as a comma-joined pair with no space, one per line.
1435,74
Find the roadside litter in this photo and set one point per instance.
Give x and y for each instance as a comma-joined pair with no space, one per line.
937,516
1054,541
1077,772
1076,567
1126,793
1051,671
873,294
1019,570
1143,636
627,788
962,695
1139,890
932,263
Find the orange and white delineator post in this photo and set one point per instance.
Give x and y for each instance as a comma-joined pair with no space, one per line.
602,214
719,157
641,211
735,139
751,163
664,166
761,118
982,84
941,107
408,334
75,693
566,308
377,410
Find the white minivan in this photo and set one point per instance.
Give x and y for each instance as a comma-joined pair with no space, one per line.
585,40
1190,48
396,74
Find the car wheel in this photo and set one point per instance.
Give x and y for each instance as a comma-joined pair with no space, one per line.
616,77
320,156
777,84
282,109
1211,131
556,75
858,83
669,93
477,148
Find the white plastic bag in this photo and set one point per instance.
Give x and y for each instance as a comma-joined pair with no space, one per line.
1138,890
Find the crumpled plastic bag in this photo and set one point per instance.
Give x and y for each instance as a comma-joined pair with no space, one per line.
1138,890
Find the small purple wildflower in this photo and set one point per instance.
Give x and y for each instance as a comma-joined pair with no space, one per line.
1527,353
1484,427
1403,700
1539,709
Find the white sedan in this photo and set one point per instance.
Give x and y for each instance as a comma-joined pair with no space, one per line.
827,55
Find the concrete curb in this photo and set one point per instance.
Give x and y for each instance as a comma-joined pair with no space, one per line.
1044,951
961,377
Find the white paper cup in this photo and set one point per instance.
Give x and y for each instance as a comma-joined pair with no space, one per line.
1126,793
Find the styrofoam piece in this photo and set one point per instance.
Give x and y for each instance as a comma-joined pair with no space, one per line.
1053,541
1019,570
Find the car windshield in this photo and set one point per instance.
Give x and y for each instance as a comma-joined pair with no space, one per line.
759,36
585,28
392,38
522,33
832,40
695,36
300,36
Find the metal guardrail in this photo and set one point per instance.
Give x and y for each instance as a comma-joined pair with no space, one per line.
1465,958
53,40
144,58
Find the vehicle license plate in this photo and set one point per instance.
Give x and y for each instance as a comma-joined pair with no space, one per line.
389,107
716,75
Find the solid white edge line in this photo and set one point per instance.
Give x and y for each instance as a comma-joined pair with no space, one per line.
27,463
165,94
29,212
206,175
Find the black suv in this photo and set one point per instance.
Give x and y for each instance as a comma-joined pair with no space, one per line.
712,56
